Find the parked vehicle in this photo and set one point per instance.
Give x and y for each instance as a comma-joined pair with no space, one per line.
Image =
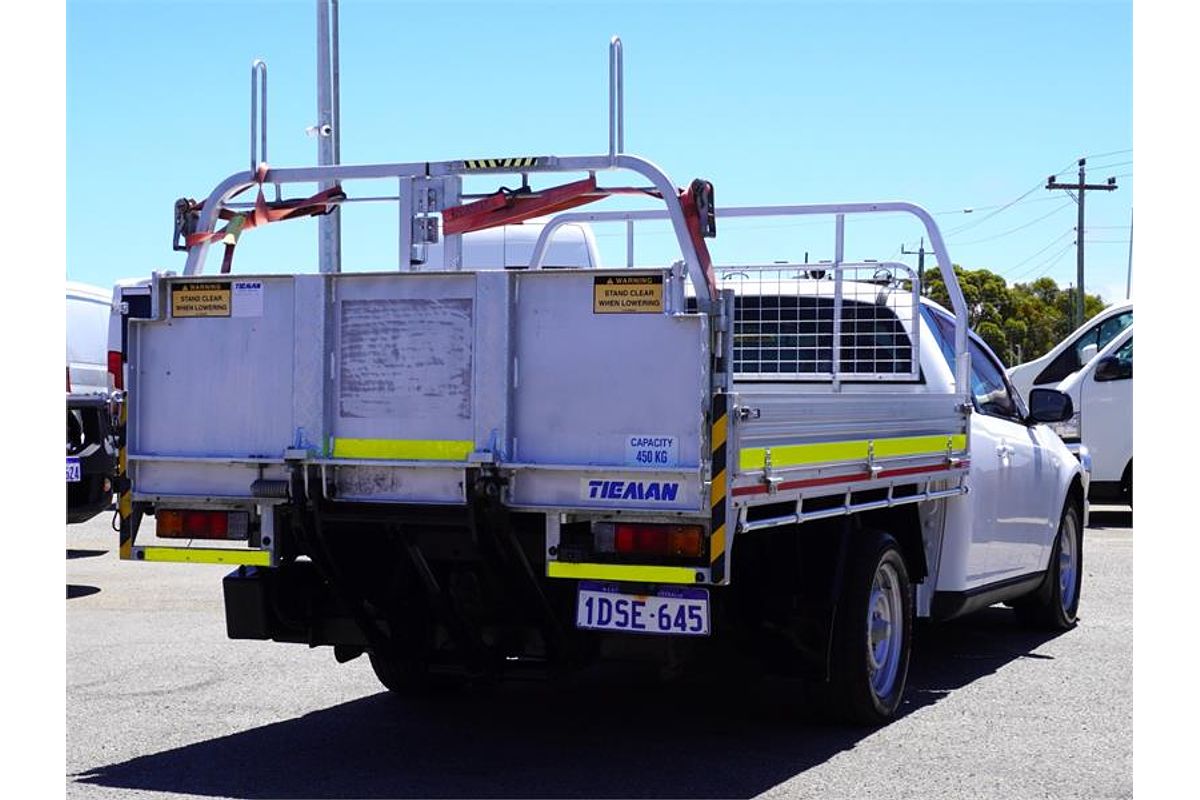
1101,428
1073,352
91,453
469,473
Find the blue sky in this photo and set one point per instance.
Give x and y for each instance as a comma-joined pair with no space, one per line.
950,105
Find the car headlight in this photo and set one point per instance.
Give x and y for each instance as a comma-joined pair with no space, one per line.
1067,430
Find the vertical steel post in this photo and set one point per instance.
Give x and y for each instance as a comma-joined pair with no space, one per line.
329,234
616,98
838,256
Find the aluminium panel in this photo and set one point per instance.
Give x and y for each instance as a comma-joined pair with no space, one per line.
217,385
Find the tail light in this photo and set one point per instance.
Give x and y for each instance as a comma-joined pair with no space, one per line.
173,523
639,539
115,369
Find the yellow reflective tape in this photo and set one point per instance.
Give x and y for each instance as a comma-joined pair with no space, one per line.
717,542
621,572
197,555
718,488
718,432
403,449
798,454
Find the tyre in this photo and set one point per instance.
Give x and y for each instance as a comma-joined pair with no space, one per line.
410,677
1055,604
872,635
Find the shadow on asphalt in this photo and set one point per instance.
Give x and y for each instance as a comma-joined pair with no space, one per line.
611,732
78,590
1116,518
84,553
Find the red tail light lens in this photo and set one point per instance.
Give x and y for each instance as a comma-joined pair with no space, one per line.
658,540
173,523
115,369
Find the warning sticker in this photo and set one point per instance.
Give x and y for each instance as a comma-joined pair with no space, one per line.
200,300
627,294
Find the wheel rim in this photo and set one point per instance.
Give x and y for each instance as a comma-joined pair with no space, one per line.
885,630
1068,563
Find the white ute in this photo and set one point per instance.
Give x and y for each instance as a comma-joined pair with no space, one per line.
470,473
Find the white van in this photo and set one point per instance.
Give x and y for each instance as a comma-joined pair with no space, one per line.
1073,352
91,451
88,310
1102,393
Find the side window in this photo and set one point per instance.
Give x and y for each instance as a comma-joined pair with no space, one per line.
1062,366
1111,327
988,387
943,332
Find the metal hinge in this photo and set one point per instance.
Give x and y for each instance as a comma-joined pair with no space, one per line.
425,230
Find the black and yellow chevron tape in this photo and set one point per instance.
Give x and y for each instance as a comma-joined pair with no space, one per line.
720,480
501,163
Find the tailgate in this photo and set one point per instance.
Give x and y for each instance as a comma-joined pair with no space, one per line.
589,388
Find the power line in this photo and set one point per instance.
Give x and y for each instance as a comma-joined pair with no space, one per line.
1004,207
1032,256
1048,265
1014,230
1113,153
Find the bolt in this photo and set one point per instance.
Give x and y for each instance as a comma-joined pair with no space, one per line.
266,541
553,551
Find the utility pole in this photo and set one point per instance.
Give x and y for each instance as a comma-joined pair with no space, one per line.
1082,188
920,254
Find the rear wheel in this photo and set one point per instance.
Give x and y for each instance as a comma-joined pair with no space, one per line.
872,636
411,677
1055,604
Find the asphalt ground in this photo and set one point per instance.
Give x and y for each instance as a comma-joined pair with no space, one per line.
160,704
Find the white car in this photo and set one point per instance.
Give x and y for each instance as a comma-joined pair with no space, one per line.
1102,426
1072,352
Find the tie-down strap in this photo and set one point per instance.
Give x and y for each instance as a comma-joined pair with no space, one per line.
263,213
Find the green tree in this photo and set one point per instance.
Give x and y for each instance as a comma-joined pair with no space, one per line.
1019,322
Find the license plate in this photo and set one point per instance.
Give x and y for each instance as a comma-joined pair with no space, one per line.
670,611
73,473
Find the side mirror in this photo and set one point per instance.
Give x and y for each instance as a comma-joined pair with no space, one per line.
1111,368
1050,405
1087,353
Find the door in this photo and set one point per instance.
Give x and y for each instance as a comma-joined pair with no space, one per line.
1015,471
1106,416
1009,473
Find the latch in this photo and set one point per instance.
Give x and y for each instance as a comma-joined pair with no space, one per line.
873,469
772,481
743,413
